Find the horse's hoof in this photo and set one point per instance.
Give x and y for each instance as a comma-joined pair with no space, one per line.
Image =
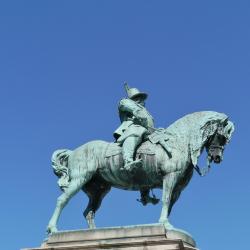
51,230
167,225
92,226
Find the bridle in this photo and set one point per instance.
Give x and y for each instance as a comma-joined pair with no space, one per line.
212,146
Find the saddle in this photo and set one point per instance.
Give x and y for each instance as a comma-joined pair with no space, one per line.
148,147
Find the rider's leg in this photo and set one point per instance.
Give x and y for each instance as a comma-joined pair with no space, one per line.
130,140
146,198
128,150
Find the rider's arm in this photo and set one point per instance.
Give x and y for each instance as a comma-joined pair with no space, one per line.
127,105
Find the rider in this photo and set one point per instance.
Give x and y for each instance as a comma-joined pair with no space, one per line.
136,124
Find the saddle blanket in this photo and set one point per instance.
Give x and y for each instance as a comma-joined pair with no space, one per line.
145,148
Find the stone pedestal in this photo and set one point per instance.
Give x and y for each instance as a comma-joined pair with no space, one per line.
141,237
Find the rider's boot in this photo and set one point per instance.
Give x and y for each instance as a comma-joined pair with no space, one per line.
146,198
128,150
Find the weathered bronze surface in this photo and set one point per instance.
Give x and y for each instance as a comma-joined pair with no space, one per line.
142,158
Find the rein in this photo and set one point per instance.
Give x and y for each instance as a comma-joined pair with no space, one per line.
202,171
215,147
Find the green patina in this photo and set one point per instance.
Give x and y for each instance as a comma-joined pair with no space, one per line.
142,158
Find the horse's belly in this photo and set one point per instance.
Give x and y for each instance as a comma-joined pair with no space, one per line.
146,176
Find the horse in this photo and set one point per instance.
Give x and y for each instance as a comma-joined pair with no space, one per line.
96,166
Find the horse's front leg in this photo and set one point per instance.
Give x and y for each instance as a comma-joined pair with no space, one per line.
169,182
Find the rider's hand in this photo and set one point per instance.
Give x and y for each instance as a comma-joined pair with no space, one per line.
140,117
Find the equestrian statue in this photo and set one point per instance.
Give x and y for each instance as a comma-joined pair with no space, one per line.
142,158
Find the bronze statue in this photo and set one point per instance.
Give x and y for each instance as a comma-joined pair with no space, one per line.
141,159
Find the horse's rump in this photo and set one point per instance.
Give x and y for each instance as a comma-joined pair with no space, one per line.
60,166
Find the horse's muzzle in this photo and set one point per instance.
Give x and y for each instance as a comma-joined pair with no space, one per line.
217,159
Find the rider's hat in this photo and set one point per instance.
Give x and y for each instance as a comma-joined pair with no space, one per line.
134,92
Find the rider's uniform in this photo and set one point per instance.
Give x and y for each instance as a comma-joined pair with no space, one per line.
136,120
136,123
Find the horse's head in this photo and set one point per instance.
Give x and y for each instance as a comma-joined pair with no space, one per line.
202,130
216,143
215,148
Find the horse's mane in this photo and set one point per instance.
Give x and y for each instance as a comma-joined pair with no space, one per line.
194,129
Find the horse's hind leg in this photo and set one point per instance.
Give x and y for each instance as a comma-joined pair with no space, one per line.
96,190
74,186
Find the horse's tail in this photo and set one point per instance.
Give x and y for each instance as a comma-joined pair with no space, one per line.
60,166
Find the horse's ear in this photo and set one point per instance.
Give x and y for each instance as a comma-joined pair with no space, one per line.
225,122
229,129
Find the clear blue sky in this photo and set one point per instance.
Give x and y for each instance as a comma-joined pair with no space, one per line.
62,65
